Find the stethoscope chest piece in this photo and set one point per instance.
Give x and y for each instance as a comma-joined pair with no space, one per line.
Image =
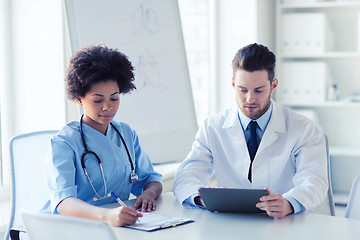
134,177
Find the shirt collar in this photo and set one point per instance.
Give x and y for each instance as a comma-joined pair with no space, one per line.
262,121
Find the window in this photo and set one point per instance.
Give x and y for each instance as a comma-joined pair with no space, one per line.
32,96
213,32
195,25
2,50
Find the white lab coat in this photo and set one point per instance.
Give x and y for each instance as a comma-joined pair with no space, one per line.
291,158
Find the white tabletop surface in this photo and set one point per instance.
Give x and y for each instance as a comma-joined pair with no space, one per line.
211,225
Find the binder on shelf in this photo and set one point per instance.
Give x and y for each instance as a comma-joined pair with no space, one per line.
303,82
306,33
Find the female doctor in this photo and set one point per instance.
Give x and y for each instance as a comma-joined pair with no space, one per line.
96,155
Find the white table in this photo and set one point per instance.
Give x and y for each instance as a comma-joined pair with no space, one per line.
210,225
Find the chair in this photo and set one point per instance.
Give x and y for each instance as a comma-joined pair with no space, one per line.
41,226
327,206
28,188
353,206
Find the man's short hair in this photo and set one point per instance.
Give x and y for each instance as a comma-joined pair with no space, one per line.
255,57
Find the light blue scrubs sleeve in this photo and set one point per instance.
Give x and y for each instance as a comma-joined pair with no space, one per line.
143,167
60,173
298,207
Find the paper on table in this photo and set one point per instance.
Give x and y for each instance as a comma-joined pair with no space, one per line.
153,221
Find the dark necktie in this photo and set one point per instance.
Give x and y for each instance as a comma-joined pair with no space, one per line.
252,144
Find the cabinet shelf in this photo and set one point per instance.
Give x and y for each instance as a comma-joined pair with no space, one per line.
341,198
318,43
326,55
344,151
321,5
322,104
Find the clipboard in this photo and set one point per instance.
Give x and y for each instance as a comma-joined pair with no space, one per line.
152,222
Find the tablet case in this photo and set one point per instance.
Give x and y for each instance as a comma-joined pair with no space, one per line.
232,199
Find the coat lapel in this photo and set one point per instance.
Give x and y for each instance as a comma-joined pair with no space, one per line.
232,122
277,124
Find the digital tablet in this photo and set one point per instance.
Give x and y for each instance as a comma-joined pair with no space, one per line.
232,199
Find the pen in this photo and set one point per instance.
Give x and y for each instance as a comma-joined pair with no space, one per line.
118,199
120,202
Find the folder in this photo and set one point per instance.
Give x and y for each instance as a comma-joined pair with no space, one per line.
303,82
306,33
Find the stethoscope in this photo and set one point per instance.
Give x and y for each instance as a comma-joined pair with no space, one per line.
133,176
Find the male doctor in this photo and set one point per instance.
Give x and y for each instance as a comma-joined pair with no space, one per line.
259,144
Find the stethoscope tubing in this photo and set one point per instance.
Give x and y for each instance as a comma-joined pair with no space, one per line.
93,153
133,176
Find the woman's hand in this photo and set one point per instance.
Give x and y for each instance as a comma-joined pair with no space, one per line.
121,216
146,201
117,217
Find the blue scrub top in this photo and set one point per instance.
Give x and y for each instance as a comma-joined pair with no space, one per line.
65,175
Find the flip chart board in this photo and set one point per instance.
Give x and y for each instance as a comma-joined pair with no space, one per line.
161,109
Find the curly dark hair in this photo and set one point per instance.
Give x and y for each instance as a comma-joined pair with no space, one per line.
95,64
254,57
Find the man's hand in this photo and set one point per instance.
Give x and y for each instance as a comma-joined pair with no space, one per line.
275,205
198,201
